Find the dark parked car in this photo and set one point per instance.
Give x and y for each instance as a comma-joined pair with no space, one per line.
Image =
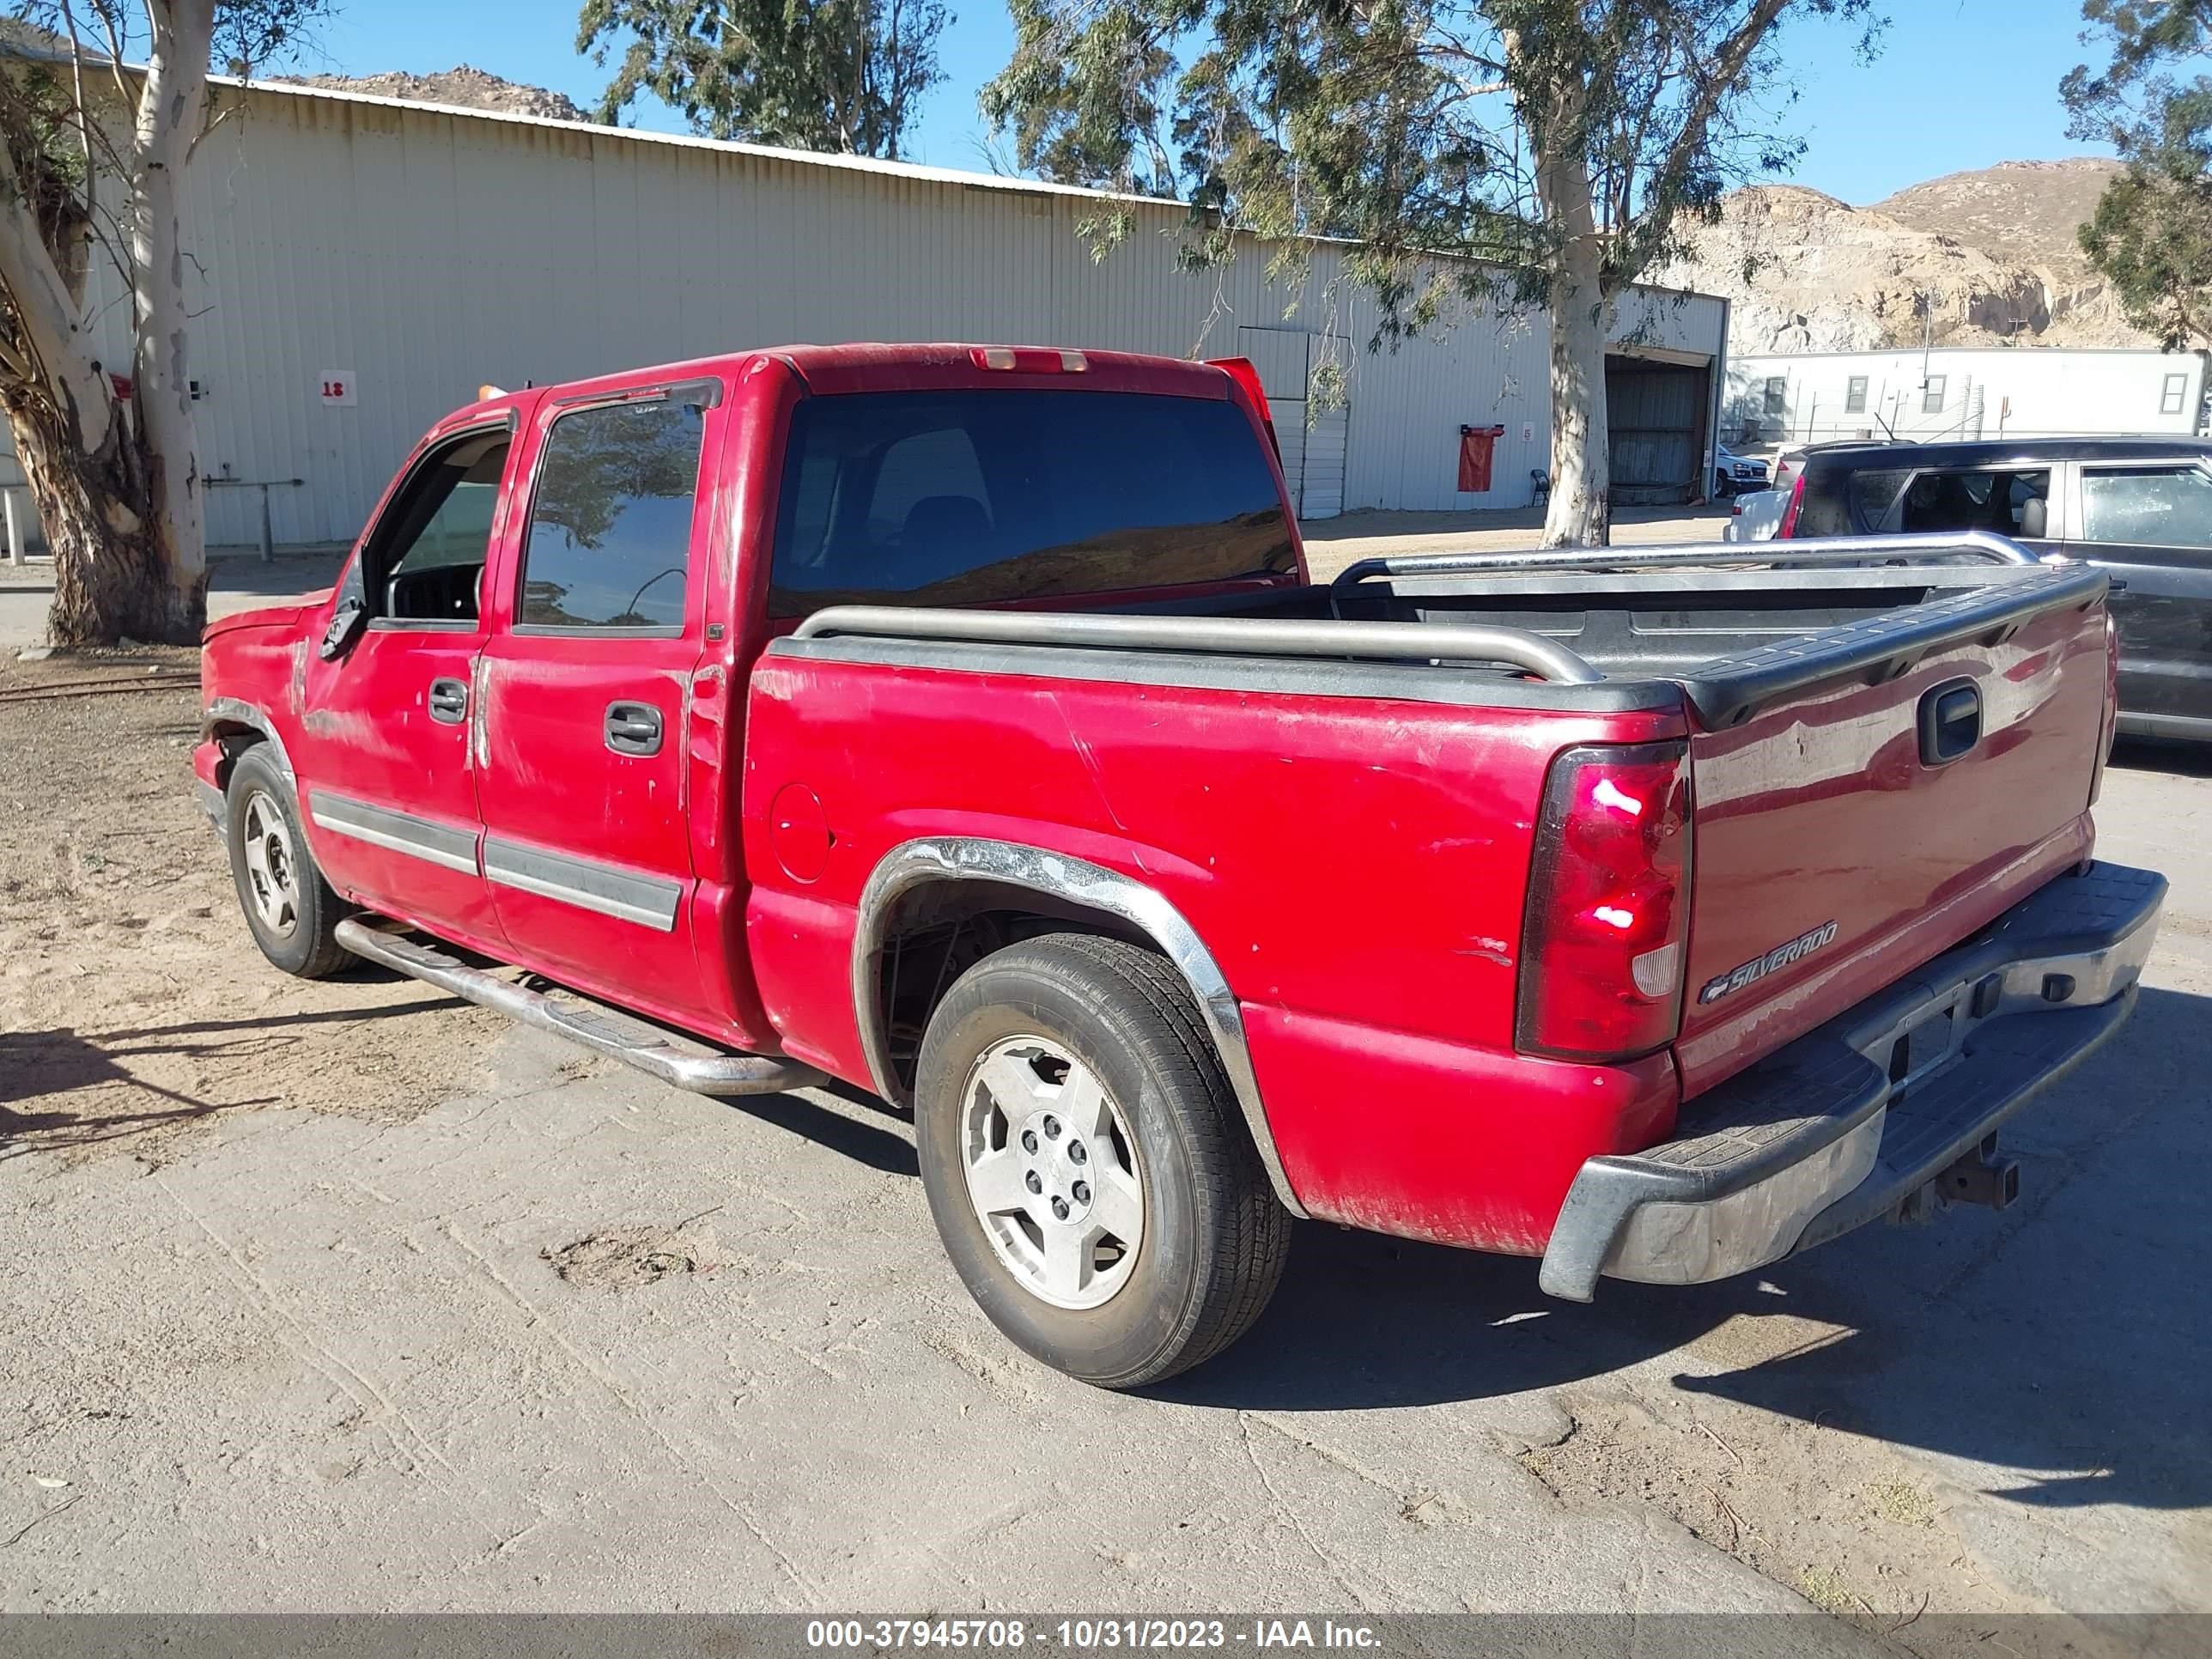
2141,508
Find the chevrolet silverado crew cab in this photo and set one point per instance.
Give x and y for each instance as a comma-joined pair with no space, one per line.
960,722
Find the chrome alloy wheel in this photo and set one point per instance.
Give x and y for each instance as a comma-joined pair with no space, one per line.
271,871
1052,1170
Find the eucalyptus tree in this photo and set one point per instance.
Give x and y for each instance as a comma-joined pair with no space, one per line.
844,75
1556,149
2151,233
101,104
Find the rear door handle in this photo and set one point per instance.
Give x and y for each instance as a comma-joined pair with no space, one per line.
449,701
1950,721
633,728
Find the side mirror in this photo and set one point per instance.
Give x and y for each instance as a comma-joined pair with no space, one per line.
346,624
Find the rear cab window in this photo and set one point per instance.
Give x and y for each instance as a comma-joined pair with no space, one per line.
977,497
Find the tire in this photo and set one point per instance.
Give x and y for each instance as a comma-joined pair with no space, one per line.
289,907
1001,1056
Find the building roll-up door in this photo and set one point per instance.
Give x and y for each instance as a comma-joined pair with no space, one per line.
1655,428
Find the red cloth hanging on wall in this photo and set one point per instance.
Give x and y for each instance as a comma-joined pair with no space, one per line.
1475,444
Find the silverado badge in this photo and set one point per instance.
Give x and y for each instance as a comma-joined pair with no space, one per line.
1759,968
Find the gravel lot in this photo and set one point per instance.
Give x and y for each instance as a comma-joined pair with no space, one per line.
344,1297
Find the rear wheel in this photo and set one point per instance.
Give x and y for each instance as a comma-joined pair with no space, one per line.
289,908
1086,1163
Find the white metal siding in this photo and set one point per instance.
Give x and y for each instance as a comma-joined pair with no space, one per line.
427,251
2026,391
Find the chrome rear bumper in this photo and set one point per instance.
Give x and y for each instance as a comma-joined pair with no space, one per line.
1845,1125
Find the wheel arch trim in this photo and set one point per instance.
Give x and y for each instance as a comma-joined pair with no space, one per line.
235,711
1086,886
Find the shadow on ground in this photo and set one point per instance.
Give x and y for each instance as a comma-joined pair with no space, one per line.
2183,760
2065,1339
53,1082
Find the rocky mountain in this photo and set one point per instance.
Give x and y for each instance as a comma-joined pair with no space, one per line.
471,88
1989,256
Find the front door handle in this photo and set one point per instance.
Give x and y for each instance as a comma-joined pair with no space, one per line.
449,701
633,728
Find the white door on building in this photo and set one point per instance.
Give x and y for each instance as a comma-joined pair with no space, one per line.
1322,462
1314,441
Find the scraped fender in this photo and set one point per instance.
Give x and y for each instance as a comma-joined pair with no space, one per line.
1086,886
234,711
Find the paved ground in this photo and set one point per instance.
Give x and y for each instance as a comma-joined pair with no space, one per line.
521,1330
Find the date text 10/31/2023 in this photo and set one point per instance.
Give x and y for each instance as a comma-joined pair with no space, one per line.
1085,1635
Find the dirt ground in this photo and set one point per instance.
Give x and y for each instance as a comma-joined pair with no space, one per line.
134,1014
348,1295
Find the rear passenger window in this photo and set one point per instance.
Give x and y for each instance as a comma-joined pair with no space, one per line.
1874,495
2009,503
2159,507
610,537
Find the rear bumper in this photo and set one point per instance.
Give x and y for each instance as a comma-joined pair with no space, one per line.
1845,1125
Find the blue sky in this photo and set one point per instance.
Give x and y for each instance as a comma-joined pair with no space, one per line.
1958,84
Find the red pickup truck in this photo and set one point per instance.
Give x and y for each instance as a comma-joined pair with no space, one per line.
960,722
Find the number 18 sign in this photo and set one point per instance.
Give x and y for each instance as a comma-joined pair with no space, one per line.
337,387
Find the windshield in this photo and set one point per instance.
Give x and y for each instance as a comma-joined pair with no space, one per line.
976,497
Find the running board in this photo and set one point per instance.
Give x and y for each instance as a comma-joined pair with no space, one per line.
677,1059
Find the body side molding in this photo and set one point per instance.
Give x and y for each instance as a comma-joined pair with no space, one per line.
444,844
588,883
1074,881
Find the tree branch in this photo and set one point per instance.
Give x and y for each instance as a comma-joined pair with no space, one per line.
1727,64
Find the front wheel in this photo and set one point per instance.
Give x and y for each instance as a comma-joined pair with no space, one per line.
1086,1163
291,909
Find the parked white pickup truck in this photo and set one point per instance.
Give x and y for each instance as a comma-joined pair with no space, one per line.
1758,515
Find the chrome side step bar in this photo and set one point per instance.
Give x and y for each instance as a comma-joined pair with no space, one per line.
673,1059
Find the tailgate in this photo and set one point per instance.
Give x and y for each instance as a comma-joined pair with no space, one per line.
1866,798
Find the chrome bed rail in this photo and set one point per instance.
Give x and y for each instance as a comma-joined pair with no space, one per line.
1385,641
1813,551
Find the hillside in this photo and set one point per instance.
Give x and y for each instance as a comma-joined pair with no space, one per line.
471,88
1991,255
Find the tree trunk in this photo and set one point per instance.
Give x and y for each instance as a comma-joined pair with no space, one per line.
112,573
172,114
1581,510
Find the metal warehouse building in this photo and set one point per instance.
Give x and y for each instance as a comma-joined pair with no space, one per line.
362,264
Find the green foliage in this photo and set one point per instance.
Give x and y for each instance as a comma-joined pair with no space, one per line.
844,75
1413,128
2152,231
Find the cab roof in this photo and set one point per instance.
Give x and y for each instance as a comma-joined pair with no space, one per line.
937,366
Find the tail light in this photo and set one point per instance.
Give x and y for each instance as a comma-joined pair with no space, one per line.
1246,374
1602,953
1030,359
1788,525
2111,735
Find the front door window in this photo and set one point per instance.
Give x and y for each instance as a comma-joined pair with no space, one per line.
2147,506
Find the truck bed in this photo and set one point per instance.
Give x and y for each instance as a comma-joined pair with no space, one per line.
1800,693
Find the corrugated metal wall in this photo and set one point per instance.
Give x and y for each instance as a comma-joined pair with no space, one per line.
426,252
